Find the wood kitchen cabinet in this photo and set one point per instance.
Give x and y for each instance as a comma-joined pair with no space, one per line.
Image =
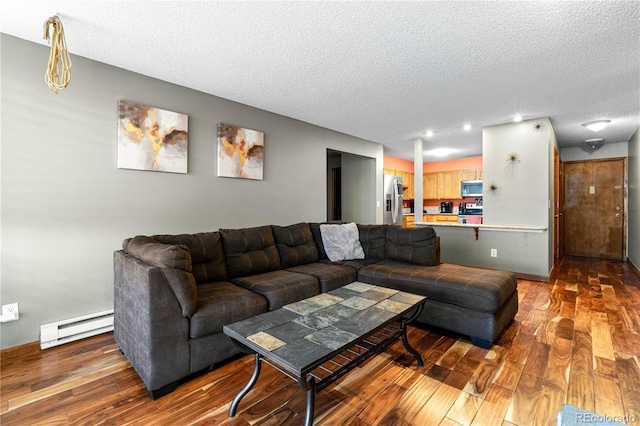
430,186
441,185
440,218
407,182
408,221
449,185
447,218
428,217
471,174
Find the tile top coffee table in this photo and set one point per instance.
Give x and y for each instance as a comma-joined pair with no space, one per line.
317,340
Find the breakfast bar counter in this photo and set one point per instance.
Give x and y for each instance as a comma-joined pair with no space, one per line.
483,227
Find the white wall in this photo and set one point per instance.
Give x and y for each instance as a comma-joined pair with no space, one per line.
523,191
66,206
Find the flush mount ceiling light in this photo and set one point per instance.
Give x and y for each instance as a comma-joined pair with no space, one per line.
596,126
594,143
517,118
429,133
440,152
467,127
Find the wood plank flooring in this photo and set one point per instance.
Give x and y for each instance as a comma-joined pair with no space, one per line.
575,340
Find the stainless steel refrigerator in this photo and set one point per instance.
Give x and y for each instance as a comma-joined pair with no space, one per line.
392,200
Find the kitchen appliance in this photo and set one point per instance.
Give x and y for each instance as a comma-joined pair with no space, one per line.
471,188
392,200
446,207
473,210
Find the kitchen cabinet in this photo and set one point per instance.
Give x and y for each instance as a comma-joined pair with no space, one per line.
471,174
440,218
447,218
407,182
441,186
428,217
408,221
430,186
449,185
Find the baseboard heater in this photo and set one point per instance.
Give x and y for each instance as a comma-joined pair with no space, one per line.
70,330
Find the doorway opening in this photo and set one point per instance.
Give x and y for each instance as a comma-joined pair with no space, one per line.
351,183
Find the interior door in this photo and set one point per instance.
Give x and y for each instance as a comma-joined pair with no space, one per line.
594,212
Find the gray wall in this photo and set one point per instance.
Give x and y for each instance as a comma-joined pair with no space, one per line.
358,189
633,219
610,150
66,206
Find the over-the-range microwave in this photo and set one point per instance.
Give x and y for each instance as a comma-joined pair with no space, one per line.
471,188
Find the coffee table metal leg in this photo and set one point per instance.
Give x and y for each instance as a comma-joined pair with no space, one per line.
245,390
311,400
405,341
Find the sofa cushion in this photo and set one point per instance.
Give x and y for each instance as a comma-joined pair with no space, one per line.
295,245
280,287
413,245
207,256
355,263
341,242
484,290
222,303
330,276
317,238
158,254
373,239
249,251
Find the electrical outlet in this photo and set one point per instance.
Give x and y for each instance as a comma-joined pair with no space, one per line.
10,312
494,252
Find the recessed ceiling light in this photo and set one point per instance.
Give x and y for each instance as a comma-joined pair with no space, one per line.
596,126
517,118
429,133
467,127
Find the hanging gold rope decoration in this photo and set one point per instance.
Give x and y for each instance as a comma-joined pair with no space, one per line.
58,72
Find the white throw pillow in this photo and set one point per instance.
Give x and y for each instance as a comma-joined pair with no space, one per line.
341,242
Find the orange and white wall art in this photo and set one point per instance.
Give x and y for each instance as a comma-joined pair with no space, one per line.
240,152
152,139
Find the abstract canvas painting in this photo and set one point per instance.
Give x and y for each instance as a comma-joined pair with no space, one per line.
152,139
240,152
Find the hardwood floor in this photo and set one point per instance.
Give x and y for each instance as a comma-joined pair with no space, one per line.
575,340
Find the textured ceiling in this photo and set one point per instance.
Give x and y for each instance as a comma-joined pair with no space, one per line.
382,71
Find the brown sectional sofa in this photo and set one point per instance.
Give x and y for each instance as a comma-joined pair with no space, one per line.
173,293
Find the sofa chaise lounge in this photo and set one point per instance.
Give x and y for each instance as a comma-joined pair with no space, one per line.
174,293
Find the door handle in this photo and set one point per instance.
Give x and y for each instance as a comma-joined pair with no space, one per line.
617,214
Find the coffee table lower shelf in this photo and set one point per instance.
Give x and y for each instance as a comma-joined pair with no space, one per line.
328,370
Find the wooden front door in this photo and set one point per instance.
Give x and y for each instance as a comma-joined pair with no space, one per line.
594,199
558,208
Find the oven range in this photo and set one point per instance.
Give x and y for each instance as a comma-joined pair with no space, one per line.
471,209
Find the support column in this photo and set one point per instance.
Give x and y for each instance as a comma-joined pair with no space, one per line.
417,178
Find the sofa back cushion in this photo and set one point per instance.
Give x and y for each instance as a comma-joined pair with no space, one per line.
413,245
373,239
249,251
207,255
156,253
295,245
